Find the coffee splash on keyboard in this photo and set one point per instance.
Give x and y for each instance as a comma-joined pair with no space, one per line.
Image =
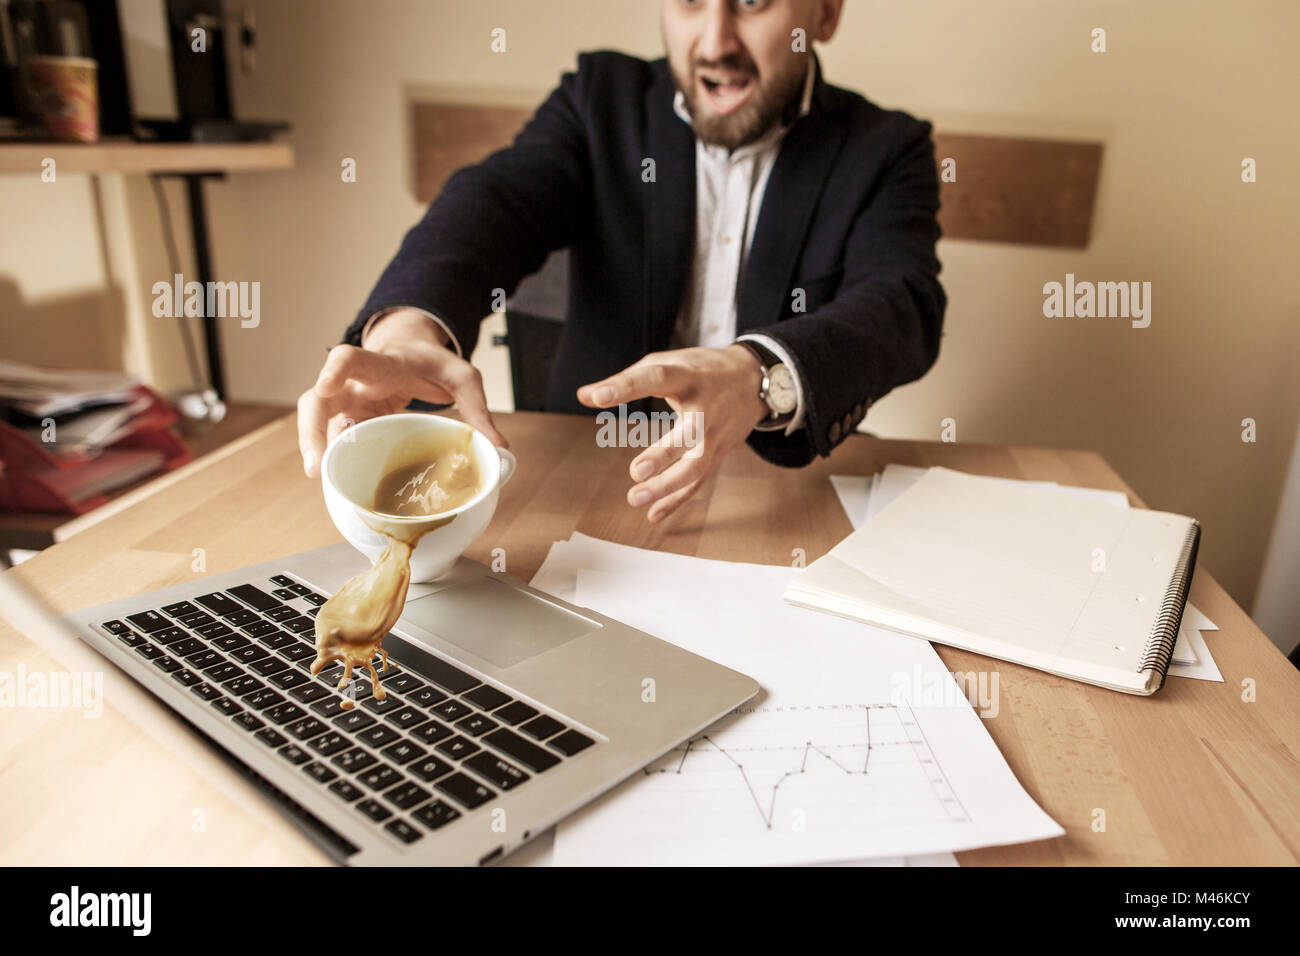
351,625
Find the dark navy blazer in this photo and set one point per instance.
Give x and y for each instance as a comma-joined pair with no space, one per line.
848,218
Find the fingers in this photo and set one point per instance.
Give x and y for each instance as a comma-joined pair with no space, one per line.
676,476
468,392
677,442
670,503
314,413
650,378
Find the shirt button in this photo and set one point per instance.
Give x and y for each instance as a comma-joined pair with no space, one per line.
713,328
726,240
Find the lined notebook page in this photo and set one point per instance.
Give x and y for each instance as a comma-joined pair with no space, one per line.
1021,571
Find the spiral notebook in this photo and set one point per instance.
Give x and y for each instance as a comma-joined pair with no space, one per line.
1018,571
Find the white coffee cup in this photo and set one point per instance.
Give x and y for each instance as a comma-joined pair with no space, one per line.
359,457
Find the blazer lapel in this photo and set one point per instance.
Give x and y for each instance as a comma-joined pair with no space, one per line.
793,189
669,213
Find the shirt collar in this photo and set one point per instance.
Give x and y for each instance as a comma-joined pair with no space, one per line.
805,103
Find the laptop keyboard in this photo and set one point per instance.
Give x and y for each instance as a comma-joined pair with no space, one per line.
440,743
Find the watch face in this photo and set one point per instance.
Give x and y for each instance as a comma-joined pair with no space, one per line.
781,394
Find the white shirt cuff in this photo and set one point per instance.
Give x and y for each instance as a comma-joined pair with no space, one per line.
451,336
777,349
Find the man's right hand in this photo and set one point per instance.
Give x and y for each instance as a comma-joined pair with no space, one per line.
404,356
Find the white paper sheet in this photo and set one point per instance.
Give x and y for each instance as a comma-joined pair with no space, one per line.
864,497
935,781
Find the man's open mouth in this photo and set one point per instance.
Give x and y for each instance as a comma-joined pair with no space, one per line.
725,91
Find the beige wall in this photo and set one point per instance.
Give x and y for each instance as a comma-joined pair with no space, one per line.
1186,90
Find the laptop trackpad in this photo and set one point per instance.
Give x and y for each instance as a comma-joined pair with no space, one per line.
492,620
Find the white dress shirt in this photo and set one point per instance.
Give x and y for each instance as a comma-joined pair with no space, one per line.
729,188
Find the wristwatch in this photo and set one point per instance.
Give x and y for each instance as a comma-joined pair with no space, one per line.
777,389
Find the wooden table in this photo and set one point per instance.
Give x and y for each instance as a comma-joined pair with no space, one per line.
1194,775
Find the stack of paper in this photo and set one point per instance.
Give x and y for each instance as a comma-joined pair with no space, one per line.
864,497
861,747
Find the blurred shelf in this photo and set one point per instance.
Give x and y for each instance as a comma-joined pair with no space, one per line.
36,530
129,156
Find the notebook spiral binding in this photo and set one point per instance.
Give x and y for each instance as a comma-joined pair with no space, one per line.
1164,633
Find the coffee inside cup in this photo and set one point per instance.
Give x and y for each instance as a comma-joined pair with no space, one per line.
436,476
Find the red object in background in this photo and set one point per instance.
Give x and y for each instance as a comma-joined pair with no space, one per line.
33,478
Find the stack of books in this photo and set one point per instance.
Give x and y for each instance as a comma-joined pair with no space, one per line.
68,437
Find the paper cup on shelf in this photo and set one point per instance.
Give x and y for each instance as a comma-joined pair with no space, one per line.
63,93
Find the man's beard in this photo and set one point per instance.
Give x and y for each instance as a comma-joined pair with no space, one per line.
764,109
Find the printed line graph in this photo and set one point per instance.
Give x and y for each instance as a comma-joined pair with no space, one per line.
789,768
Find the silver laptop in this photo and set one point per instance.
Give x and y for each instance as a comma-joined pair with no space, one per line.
505,709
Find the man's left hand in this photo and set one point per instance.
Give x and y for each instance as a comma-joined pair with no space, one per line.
715,395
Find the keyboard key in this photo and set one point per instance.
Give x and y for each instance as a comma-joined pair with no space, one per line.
219,604
169,635
222,673
430,667
205,690
381,777
309,693
287,680
539,728
298,624
272,738
496,771
526,752
227,706
149,621
515,713
329,744
374,810
406,795
403,830
283,713
259,628
272,665
297,652
248,721
186,647
250,654
263,698
167,664
451,710
571,742
215,629
403,752
353,720
241,617
430,768
284,594
180,609
297,588
230,642
330,707
294,754
354,760
281,580
401,681
277,640
115,627
487,697
149,651
389,703
407,718
319,772
465,791
314,599
378,736
253,596
344,790
307,728
186,677
426,697
431,732
436,814
476,724
280,612
243,684
198,619
458,748
202,660
313,611
131,639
